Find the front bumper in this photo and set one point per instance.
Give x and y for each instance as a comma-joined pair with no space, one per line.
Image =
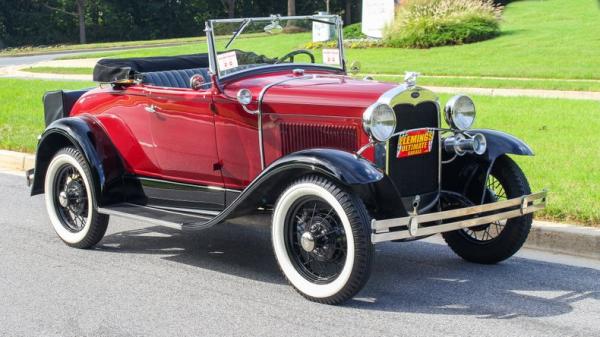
410,226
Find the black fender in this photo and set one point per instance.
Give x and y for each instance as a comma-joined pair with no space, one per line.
351,171
467,174
85,134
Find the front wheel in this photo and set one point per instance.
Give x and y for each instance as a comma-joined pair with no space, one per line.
321,240
70,200
497,241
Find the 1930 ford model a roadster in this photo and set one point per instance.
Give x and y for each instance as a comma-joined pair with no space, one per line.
341,163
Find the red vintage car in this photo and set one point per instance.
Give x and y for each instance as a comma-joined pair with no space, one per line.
262,124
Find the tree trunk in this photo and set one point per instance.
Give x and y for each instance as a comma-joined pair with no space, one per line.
291,8
81,15
327,6
230,8
348,12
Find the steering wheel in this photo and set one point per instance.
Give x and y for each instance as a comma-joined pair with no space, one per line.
291,55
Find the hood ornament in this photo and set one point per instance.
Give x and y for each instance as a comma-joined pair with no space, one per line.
410,78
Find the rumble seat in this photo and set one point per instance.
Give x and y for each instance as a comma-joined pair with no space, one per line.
175,78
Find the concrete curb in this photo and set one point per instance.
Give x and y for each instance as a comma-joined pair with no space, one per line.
546,236
565,239
16,161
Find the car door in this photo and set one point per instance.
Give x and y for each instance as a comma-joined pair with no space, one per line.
127,123
183,130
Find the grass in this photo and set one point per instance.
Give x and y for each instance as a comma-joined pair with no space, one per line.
60,70
565,44
506,83
563,133
22,112
33,50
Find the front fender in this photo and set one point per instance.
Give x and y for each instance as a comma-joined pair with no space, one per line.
468,174
354,173
499,143
85,134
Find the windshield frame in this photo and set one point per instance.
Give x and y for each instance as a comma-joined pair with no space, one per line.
212,52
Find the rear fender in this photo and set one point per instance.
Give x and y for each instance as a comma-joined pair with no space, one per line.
468,174
85,134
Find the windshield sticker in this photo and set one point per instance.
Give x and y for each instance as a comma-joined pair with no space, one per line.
227,60
331,56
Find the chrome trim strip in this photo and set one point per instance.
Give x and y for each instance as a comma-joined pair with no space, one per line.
526,204
208,187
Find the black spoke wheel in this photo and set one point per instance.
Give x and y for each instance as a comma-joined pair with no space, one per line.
316,239
322,240
70,200
497,241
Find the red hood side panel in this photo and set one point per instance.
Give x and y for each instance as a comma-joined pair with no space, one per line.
324,95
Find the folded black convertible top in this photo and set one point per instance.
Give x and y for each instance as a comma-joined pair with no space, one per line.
114,70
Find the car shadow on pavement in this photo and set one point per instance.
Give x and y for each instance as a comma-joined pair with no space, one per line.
414,277
242,250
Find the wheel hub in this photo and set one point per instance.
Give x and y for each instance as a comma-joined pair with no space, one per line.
72,196
308,242
62,199
318,239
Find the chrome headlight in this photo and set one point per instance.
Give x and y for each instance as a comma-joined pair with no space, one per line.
460,112
379,121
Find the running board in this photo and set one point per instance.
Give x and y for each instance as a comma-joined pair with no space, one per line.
157,216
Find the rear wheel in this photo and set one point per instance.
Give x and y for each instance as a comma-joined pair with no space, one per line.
497,241
321,240
70,200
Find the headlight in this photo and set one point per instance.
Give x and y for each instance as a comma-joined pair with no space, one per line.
460,112
379,121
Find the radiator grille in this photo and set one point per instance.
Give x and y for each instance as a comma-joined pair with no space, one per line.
416,174
300,136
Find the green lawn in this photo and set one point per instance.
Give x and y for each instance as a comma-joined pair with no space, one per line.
22,112
33,50
540,39
60,70
563,133
574,85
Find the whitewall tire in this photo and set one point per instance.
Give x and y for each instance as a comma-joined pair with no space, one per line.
70,200
321,239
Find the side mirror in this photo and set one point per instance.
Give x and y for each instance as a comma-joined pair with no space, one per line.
354,67
244,97
197,82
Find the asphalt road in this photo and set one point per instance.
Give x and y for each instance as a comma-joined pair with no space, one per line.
152,281
6,61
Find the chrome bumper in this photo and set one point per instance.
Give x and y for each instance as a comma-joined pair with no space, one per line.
479,215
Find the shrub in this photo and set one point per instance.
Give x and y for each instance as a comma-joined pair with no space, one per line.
353,31
431,23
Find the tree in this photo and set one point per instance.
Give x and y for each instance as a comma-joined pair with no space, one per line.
80,14
291,8
229,7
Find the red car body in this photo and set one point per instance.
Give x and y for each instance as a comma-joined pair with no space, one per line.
166,144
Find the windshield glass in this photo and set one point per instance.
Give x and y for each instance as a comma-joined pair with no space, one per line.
251,43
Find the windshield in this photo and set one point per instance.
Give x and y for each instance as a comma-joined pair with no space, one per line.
242,44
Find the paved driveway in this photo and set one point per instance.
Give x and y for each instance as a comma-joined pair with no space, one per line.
152,281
